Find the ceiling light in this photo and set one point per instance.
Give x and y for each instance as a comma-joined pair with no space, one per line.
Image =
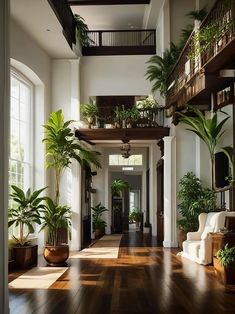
125,148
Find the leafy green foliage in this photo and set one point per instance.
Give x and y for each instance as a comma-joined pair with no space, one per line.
160,68
82,31
89,110
198,14
62,148
118,186
97,211
226,256
208,129
195,199
26,213
135,215
55,218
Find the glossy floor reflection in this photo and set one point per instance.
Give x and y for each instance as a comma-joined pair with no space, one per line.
144,279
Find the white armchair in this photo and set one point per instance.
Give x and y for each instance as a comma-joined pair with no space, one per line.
198,246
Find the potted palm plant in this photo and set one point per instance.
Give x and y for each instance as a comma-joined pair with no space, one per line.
118,186
54,219
61,149
209,130
89,112
24,214
98,223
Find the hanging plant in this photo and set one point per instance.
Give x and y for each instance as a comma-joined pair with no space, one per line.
82,31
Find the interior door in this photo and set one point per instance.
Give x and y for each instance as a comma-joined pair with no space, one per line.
160,201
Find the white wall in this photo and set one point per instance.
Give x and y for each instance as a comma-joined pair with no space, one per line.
113,75
65,96
185,151
178,20
32,61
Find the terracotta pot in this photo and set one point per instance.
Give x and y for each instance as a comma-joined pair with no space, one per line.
225,275
25,256
56,255
99,233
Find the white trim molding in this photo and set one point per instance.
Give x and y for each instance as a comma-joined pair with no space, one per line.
170,234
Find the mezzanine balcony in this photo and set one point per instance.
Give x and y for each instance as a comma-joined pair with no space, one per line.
120,42
204,66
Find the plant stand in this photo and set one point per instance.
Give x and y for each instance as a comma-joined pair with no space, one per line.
226,275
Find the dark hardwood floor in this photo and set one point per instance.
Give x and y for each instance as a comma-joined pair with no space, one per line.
144,279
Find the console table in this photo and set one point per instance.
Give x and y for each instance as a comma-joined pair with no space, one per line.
219,240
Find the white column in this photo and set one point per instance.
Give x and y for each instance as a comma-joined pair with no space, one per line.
75,167
203,162
170,235
4,141
66,96
153,187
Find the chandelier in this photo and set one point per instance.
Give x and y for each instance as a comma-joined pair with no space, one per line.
125,148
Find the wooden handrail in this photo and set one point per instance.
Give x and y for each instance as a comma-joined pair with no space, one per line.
219,14
110,38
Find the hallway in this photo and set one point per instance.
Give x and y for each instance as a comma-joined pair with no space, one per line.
144,279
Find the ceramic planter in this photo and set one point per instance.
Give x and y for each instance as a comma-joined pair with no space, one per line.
99,233
25,256
56,255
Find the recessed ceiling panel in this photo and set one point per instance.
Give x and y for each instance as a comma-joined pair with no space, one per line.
109,17
38,20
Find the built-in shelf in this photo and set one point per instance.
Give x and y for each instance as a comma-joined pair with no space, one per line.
122,134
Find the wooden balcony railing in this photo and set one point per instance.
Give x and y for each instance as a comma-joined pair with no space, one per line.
193,58
121,42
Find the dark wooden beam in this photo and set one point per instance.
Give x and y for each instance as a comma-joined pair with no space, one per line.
65,16
122,134
107,2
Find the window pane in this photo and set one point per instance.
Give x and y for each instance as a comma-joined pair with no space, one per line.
15,87
118,160
14,108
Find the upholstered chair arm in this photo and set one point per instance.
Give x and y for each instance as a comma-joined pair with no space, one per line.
194,236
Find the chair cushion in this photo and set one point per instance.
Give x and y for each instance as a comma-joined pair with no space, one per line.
192,248
213,222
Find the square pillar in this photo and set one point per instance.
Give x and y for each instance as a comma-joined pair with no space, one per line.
170,234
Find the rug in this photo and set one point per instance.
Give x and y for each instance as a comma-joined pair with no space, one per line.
38,278
106,247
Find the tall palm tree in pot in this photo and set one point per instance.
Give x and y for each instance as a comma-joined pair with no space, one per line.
61,149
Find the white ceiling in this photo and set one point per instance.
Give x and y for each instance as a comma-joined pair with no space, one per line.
112,16
38,20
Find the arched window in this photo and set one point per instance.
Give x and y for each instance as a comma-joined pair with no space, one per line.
21,132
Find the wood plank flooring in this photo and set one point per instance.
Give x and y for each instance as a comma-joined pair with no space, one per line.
145,279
